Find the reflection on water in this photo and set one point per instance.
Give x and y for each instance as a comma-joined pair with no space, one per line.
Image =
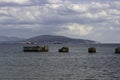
78,64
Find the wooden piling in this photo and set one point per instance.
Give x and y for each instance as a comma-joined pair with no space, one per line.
92,50
64,49
117,50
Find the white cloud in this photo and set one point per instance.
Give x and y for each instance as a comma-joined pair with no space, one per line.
78,7
51,7
116,4
24,13
23,26
80,29
3,11
15,1
114,28
54,1
101,14
76,29
2,18
113,12
99,5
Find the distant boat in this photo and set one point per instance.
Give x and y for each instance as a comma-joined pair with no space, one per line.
30,42
57,42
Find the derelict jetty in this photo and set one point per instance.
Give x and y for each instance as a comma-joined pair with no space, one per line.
35,49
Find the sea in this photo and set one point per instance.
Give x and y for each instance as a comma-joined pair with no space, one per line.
78,64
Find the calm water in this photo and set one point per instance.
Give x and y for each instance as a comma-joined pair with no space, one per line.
78,64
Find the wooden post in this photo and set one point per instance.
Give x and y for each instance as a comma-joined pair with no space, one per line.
117,50
64,49
92,50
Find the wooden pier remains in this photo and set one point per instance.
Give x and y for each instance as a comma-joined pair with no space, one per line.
64,49
117,50
36,49
92,50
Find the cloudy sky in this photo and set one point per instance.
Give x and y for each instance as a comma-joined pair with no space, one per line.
87,19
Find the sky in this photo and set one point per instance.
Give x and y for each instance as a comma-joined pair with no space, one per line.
97,20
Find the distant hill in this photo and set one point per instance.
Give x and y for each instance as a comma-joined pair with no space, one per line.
9,39
54,39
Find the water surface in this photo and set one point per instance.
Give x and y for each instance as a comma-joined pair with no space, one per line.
78,64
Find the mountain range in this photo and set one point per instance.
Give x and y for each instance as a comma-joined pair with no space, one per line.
45,39
9,39
57,39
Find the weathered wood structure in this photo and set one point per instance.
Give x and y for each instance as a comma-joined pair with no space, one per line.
36,49
92,50
117,50
64,49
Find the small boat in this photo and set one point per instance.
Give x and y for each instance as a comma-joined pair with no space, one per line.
35,49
